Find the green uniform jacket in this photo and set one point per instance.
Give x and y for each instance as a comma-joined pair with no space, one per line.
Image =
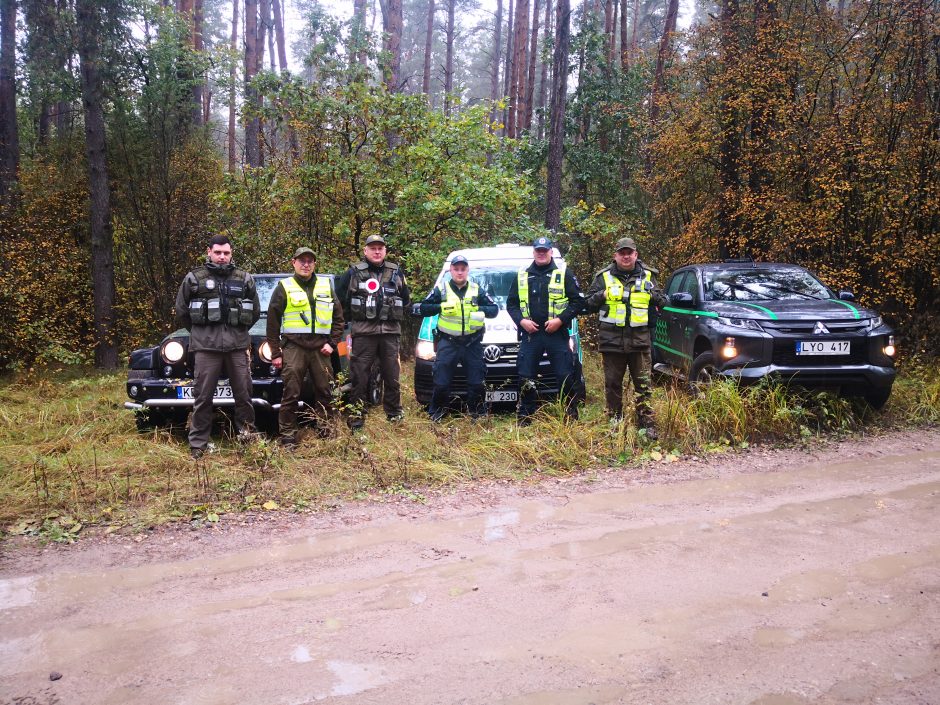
218,337
611,338
311,341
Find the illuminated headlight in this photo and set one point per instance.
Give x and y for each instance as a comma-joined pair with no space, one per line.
748,323
172,351
425,350
264,351
134,390
889,349
729,350
875,322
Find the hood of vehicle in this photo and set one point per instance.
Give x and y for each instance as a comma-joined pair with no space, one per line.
258,329
793,310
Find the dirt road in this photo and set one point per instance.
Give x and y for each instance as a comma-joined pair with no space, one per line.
769,577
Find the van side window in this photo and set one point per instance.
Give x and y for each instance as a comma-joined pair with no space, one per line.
676,282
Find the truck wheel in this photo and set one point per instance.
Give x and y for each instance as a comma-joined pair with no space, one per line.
877,398
703,371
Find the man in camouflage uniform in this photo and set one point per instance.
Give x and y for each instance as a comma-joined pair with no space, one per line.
623,293
218,304
374,295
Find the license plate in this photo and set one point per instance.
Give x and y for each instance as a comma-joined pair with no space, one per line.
822,347
223,391
498,396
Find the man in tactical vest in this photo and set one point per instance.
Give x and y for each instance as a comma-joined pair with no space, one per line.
543,301
218,304
622,292
304,327
374,295
461,306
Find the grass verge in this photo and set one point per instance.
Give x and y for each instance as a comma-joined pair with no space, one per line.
70,454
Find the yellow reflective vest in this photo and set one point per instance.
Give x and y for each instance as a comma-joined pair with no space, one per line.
456,316
615,308
298,317
557,300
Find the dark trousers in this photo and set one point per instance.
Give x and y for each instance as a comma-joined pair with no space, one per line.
366,349
298,362
531,348
469,355
209,367
639,362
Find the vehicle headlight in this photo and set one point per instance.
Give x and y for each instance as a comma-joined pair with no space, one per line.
890,349
264,351
172,351
875,322
425,350
748,323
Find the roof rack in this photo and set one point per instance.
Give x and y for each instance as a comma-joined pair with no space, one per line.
738,260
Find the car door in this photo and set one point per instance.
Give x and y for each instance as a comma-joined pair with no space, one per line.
682,333
668,321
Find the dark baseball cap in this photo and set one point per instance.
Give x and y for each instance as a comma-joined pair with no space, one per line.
304,251
459,259
375,238
626,243
542,243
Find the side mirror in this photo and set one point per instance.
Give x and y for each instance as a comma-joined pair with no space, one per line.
681,299
846,295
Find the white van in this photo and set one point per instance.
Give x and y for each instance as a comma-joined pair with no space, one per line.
493,268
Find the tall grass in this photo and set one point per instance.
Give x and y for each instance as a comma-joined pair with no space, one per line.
70,454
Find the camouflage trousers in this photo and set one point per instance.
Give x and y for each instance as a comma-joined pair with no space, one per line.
616,365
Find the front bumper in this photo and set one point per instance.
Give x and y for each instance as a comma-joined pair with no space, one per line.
162,394
858,376
500,376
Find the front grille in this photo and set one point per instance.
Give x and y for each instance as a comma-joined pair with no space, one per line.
806,327
785,354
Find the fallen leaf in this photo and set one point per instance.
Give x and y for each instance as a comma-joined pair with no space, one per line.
270,505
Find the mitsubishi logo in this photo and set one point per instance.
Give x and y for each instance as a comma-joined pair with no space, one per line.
491,353
820,329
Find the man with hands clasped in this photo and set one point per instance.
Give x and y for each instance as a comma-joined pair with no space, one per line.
543,301
622,293
305,324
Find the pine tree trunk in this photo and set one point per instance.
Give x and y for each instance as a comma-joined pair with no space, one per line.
533,56
729,146
88,22
519,67
507,68
543,80
278,11
357,39
9,131
231,90
392,23
624,47
428,44
199,87
449,60
665,47
556,132
497,57
252,98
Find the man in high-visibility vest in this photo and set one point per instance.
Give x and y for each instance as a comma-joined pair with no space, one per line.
305,325
623,293
461,306
543,300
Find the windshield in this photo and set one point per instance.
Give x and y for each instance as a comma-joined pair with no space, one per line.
265,287
762,285
495,279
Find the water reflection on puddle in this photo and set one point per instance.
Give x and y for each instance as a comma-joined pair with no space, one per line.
496,525
301,655
353,678
17,592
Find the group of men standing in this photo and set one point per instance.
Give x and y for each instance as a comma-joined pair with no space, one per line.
219,303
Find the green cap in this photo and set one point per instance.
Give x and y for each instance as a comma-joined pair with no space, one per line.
626,242
375,238
300,251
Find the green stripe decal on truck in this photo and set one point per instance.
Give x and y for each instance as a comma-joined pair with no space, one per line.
707,314
848,305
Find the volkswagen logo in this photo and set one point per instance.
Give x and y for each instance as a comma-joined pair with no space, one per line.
820,329
491,353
